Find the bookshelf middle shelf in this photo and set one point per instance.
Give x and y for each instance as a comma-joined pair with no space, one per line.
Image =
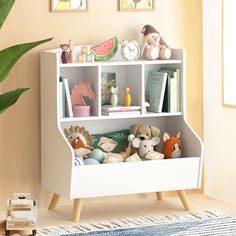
104,76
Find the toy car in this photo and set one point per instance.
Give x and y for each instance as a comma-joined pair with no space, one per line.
22,213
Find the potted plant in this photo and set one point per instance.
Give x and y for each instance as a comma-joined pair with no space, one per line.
9,56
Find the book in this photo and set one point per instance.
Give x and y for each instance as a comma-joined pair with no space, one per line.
156,86
69,111
121,113
108,80
62,98
172,98
109,108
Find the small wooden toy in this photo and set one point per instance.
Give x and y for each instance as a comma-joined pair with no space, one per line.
114,157
152,155
82,89
71,52
81,58
127,96
114,96
145,146
65,53
85,50
80,140
90,57
134,158
21,213
171,146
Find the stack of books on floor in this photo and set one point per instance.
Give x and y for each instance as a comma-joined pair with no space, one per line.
164,90
109,110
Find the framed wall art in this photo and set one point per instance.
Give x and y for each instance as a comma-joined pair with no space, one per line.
69,5
228,53
136,5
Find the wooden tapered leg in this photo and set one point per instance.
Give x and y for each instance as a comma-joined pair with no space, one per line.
184,199
55,199
77,209
159,196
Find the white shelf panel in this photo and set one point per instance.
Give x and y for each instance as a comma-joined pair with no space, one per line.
119,63
147,115
125,178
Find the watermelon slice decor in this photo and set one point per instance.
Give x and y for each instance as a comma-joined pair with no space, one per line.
106,50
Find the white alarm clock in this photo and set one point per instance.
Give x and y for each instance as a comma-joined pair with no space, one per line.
130,50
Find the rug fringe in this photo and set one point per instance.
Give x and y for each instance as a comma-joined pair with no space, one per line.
132,222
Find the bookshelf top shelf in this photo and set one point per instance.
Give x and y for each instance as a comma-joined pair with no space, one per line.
119,63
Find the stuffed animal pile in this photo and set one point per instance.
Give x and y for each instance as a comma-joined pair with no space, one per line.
143,141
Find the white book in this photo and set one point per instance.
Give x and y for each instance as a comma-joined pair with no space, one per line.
62,98
178,95
68,98
109,108
173,100
126,113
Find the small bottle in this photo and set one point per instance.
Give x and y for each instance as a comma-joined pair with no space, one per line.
127,97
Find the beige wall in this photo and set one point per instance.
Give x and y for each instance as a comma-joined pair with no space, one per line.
219,128
179,21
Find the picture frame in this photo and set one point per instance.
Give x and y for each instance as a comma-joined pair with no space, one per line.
136,5
228,46
69,6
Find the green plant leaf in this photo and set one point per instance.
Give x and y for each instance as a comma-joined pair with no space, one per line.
9,98
9,56
5,7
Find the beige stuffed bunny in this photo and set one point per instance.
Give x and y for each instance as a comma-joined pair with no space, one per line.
153,44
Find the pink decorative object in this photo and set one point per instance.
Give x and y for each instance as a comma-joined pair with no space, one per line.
81,111
82,89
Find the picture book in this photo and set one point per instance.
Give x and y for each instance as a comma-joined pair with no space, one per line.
172,98
108,80
69,112
156,85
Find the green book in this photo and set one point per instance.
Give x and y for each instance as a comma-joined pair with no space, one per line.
156,86
172,98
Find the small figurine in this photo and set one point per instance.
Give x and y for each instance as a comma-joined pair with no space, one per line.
127,97
71,52
82,89
146,105
65,53
114,96
171,146
81,58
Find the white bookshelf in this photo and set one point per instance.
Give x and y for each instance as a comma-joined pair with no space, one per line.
62,177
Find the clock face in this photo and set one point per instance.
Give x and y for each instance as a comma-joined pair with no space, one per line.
131,51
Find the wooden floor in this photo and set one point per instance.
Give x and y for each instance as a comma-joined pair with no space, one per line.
128,206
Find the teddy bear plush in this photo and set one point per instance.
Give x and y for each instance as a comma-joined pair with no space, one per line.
144,132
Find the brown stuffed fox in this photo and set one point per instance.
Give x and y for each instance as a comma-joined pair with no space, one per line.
171,146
